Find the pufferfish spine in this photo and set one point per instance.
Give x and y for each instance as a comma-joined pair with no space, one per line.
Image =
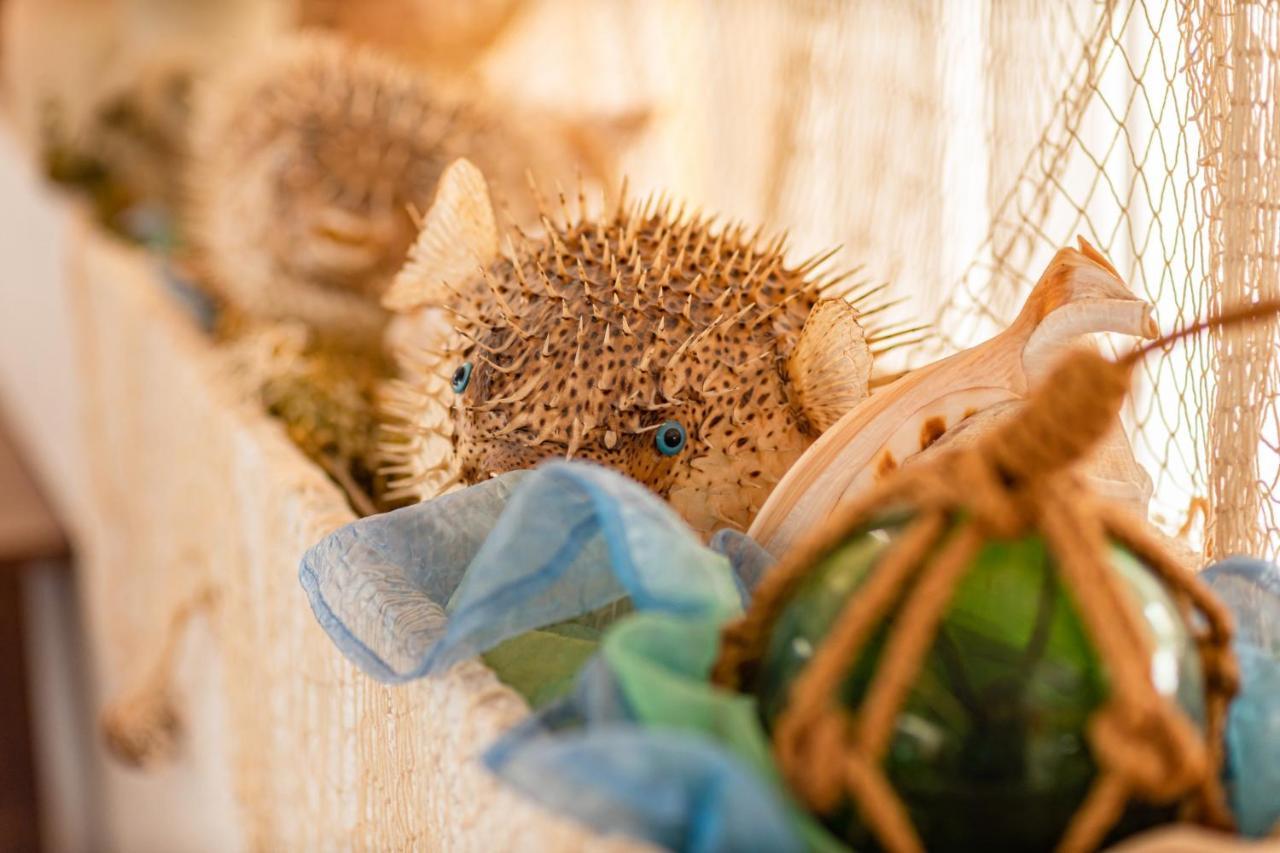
687,355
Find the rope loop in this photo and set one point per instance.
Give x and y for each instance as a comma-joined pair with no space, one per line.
808,743
1153,749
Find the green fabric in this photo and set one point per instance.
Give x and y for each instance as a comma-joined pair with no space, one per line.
662,664
541,665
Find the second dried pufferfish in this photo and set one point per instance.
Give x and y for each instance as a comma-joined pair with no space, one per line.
310,159
691,357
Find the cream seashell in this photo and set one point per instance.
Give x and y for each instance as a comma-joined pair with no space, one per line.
1078,294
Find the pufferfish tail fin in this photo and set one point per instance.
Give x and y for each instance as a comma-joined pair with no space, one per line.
459,236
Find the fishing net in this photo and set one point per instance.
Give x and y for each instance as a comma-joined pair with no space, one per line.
950,149
1161,149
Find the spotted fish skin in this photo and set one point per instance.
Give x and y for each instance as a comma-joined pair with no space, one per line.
605,336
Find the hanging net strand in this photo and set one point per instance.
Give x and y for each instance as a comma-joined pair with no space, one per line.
1013,482
1152,129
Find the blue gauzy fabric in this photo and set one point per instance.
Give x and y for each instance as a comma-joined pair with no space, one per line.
411,592
671,788
407,593
590,757
749,560
1251,589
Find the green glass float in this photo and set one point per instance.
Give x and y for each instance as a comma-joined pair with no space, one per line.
989,750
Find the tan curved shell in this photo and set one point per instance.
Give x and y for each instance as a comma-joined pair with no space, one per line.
1080,293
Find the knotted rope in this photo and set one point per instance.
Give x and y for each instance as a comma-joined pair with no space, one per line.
142,728
1015,481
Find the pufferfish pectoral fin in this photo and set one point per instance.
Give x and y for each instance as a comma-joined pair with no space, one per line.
458,237
830,367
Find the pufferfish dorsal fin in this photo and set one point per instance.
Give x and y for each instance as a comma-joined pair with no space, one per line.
830,367
458,237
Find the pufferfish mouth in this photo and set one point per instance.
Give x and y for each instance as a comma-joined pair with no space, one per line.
501,455
340,261
339,243
654,471
332,233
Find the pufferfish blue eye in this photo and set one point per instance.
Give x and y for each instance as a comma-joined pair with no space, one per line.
461,377
670,438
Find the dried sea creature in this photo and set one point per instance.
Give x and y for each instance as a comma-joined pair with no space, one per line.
326,398
443,34
309,162
139,141
323,392
306,163
98,88
690,356
1079,293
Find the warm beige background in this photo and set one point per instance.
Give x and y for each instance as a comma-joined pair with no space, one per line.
949,146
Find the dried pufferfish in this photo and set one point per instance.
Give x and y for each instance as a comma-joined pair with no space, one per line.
99,87
692,358
308,162
443,34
